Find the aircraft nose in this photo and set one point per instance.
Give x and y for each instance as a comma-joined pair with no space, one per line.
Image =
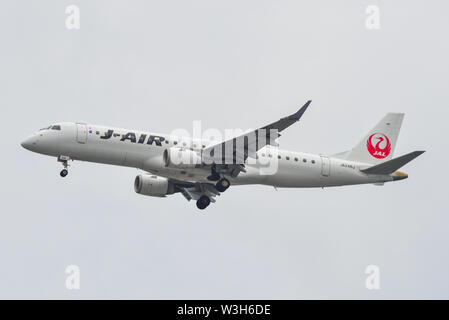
28,143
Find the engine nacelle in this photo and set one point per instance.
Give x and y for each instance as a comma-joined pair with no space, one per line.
151,185
181,158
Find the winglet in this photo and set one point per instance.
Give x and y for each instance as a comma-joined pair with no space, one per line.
296,116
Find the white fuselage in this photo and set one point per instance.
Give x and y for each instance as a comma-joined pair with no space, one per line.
144,150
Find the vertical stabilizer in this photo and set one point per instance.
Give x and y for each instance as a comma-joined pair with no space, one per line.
379,144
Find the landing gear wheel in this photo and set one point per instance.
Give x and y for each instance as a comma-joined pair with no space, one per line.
203,202
222,185
64,172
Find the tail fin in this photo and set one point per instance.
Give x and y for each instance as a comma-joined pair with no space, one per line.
379,144
392,165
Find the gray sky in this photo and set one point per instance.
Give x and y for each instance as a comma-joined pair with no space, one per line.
159,65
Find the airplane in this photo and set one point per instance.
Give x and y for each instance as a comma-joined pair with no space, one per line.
199,171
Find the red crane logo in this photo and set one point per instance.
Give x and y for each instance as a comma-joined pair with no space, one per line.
382,148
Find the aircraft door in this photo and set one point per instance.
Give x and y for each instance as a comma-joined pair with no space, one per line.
325,166
81,133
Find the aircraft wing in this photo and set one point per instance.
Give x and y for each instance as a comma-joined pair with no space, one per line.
238,149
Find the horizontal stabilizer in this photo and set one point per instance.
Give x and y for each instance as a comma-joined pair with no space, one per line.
392,165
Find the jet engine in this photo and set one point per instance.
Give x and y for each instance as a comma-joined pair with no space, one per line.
181,158
151,185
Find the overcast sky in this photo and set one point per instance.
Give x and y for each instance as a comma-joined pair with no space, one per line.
158,66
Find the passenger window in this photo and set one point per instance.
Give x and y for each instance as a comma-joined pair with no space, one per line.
166,142
279,157
263,154
287,158
304,160
56,127
313,161
175,142
296,159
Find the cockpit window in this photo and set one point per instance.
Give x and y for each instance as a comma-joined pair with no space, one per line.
56,127
45,128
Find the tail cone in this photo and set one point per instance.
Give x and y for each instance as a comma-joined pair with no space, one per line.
399,175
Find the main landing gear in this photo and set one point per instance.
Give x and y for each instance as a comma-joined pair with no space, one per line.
203,202
64,159
214,176
222,184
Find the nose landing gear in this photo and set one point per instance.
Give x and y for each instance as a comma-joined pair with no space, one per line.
64,160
